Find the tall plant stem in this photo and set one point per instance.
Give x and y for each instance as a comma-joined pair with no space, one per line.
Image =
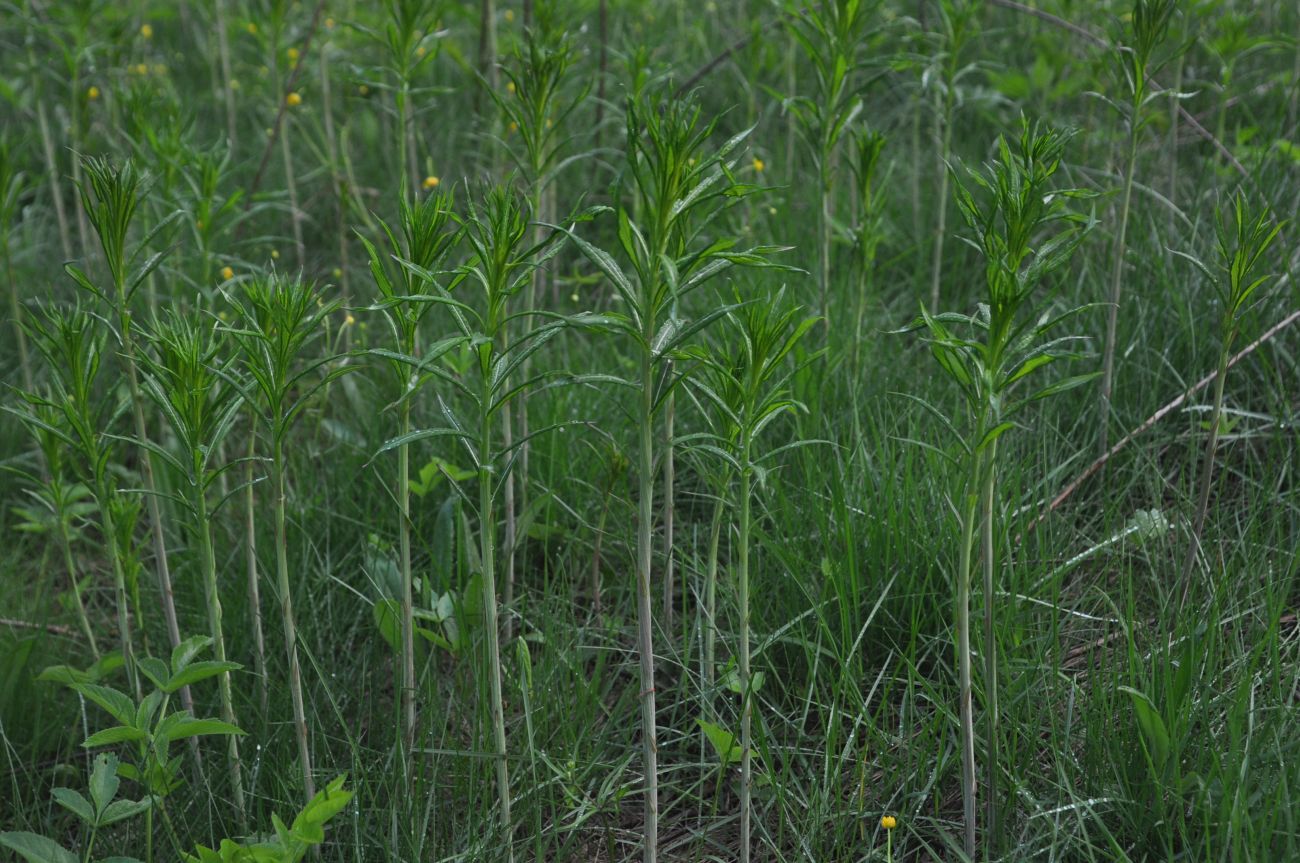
151,488
404,552
747,696
52,173
107,525
336,176
487,44
990,649
711,604
824,235
286,613
969,514
223,51
1116,289
645,620
250,564
65,546
1207,476
16,312
291,186
670,478
406,139
1171,152
941,209
487,553
212,595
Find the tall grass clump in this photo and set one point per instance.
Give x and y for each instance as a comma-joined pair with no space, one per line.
679,187
1026,232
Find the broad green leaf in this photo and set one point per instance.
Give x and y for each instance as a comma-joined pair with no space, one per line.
75,803
724,742
116,734
104,781
36,849
197,671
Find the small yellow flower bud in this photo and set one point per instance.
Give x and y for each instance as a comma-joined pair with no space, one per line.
227,273
363,90
431,182
292,54
141,69
509,16
329,23
758,165
293,100
275,254
92,93
349,321
510,86
146,31
889,822
421,51
514,127
336,273
251,28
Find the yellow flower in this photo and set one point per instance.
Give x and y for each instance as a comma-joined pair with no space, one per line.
510,15
514,127
292,54
336,272
251,28
141,69
92,93
889,822
431,182
349,321
510,86
363,90
293,100
758,165
275,253
421,51
227,273
146,31
329,23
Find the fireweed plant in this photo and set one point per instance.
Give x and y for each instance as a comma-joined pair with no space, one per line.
111,198
279,318
833,36
1025,231
745,381
500,267
1150,22
73,344
537,104
679,187
406,281
185,379
1242,243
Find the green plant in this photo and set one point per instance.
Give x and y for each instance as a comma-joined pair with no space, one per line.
185,378
679,187
746,383
958,23
833,36
146,725
1016,230
103,809
869,231
1150,22
290,843
76,416
13,184
1241,246
111,199
279,318
429,233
